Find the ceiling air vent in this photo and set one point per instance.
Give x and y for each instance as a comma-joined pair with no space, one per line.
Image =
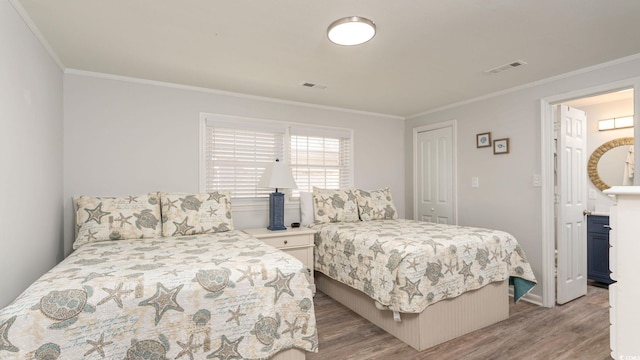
508,66
314,86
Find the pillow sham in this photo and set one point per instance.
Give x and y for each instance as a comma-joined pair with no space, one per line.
376,205
334,205
190,214
306,208
116,218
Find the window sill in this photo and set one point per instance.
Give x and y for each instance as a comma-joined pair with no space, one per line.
239,206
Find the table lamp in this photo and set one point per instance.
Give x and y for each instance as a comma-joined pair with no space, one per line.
277,176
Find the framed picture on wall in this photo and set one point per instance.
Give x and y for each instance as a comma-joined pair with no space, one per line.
501,146
483,140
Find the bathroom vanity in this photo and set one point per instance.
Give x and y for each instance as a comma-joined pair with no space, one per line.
598,249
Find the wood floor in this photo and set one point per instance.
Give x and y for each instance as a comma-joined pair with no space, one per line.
577,330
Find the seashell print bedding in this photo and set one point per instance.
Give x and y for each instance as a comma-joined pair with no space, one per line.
406,265
223,296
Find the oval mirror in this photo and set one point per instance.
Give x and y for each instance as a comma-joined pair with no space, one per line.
611,171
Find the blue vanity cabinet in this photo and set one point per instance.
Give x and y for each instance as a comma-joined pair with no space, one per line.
598,249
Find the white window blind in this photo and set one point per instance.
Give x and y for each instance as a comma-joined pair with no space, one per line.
324,162
235,159
237,150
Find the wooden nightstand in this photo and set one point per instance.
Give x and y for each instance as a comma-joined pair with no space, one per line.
295,241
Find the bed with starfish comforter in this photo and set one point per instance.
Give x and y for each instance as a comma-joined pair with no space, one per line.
407,265
422,282
220,296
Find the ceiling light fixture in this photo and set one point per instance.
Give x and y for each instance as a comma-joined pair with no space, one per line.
352,30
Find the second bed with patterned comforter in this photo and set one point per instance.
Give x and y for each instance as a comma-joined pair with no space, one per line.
406,265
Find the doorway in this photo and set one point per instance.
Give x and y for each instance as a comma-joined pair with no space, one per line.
549,199
608,116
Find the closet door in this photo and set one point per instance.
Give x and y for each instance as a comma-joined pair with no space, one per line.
434,176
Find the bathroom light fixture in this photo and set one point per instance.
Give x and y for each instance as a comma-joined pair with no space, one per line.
615,123
352,30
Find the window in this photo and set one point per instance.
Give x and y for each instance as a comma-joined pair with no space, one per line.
235,151
322,160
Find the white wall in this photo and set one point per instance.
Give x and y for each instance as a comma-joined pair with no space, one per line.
129,137
30,157
506,199
595,138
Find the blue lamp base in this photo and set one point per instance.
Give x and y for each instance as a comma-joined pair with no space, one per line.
276,211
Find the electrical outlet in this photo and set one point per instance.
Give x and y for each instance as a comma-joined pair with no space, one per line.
475,182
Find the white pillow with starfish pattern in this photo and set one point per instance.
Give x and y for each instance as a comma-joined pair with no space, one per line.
117,218
376,205
334,205
190,214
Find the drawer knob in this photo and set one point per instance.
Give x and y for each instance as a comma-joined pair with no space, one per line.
285,242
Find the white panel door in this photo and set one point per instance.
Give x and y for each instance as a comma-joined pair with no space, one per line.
435,176
571,226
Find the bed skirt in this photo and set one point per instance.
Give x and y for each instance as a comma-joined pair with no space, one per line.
438,323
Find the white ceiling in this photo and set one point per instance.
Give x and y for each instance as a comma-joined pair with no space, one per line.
425,55
600,99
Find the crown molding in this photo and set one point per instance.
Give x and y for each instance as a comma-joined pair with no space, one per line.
530,85
225,93
34,29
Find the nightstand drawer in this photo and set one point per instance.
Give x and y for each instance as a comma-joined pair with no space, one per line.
289,241
296,242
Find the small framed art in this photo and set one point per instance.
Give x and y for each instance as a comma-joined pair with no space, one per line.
483,140
501,146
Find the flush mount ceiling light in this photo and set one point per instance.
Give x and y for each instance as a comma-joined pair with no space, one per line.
353,30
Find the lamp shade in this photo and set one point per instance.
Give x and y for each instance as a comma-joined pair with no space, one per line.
278,176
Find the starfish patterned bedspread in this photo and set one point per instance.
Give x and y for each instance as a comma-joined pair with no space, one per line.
219,296
406,265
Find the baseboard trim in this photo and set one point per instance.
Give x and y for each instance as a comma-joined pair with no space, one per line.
529,297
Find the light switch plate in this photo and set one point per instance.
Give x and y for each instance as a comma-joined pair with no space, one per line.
536,180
